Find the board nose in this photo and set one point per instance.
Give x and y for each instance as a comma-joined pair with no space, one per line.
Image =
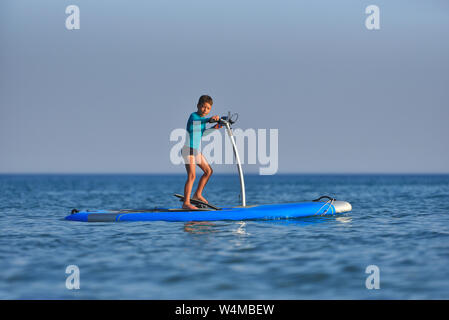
342,206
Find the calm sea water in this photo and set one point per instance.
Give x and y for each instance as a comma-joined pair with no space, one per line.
400,223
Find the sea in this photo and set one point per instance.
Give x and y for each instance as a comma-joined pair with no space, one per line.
394,244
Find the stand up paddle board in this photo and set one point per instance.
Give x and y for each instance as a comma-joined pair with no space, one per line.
263,212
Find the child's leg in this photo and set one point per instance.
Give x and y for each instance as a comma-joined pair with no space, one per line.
207,169
190,167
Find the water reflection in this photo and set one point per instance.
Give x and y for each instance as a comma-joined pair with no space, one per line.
306,221
202,227
297,222
199,227
241,230
344,219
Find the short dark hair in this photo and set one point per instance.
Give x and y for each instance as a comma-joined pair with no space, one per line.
203,99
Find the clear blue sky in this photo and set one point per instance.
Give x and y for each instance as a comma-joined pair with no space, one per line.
106,97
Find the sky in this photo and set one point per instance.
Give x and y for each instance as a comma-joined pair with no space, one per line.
105,98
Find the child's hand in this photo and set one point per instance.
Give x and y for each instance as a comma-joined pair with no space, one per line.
215,119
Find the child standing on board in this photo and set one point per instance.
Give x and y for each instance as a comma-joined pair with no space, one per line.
196,127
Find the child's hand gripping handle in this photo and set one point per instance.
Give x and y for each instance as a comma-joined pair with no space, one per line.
217,120
217,126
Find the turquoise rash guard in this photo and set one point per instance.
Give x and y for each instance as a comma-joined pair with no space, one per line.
196,128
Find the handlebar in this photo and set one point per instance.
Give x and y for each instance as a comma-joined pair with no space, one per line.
231,119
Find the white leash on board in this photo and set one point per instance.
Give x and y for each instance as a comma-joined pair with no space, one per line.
330,204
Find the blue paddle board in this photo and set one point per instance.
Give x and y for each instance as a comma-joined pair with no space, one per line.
264,212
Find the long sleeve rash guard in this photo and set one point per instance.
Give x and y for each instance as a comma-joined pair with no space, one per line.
196,129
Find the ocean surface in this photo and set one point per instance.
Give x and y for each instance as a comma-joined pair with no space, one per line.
399,223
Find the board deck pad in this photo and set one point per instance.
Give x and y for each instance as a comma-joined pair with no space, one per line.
198,203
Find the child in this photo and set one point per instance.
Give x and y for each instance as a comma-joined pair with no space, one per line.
196,125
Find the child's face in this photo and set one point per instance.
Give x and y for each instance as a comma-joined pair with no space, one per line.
204,109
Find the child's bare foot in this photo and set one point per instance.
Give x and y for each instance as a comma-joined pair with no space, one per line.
189,206
201,198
